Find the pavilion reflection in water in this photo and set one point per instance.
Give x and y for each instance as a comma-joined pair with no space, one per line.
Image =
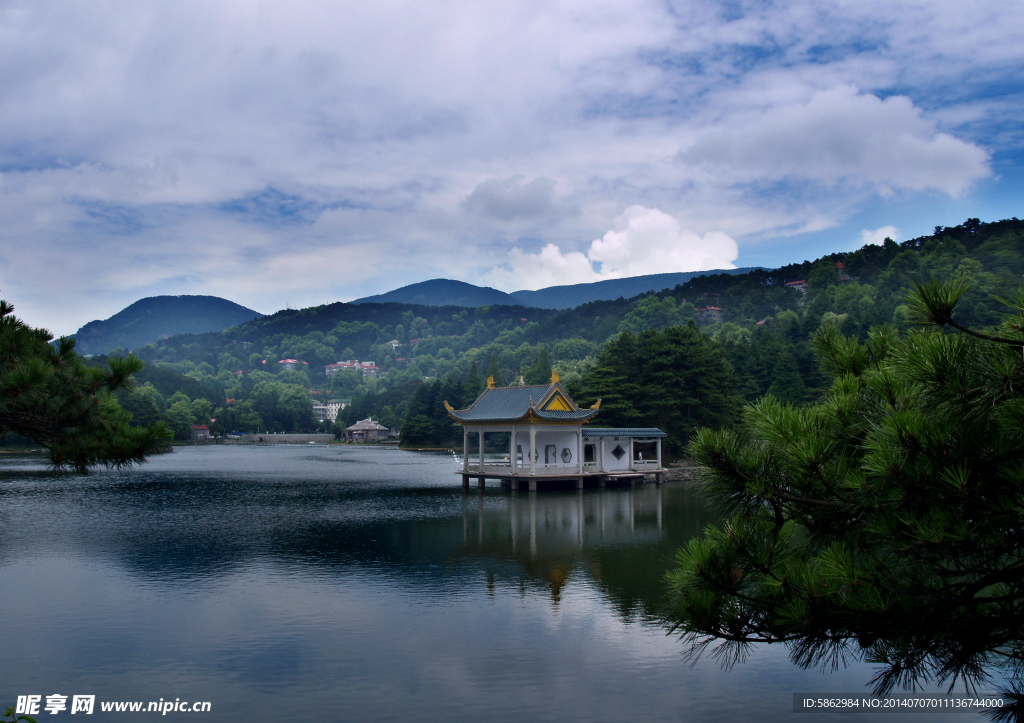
551,536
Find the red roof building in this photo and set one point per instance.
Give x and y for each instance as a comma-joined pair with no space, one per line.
710,314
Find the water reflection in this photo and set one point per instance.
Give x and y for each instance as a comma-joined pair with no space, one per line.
197,524
552,536
358,584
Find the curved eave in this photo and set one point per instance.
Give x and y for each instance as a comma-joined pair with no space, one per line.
581,416
532,416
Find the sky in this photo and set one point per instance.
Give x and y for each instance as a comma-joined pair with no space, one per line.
301,153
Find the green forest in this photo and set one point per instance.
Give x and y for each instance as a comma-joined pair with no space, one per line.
655,360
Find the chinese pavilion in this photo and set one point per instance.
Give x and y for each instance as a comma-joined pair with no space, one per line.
548,442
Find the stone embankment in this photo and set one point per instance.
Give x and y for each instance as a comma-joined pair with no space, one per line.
287,438
685,472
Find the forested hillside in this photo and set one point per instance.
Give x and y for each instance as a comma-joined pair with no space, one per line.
156,317
677,359
573,295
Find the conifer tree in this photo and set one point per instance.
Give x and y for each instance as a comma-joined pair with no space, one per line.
684,382
493,370
418,427
787,384
49,395
885,522
474,385
674,379
540,371
613,380
447,430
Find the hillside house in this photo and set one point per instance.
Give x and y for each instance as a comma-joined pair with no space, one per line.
710,315
331,369
328,411
366,368
199,433
367,430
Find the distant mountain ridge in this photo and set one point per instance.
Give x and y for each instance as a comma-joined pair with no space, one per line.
448,292
444,292
573,295
157,317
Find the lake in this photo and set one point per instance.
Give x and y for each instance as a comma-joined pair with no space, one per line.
346,583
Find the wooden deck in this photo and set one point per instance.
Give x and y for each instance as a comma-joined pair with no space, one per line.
555,478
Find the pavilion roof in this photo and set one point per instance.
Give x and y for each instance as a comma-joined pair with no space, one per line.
537,403
366,425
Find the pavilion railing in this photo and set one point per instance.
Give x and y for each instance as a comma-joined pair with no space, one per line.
505,468
639,465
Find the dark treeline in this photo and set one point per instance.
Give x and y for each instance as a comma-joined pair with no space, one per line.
662,359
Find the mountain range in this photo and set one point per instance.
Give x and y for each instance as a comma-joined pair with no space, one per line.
157,317
573,295
447,292
444,292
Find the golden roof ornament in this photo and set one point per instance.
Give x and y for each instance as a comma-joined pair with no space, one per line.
490,382
554,377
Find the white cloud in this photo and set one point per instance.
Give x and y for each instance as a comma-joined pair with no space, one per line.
643,241
647,241
841,133
879,235
511,198
548,267
137,141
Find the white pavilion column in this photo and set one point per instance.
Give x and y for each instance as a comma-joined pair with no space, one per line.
579,451
512,449
533,448
481,469
658,442
465,449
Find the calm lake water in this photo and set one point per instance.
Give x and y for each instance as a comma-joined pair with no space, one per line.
323,584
